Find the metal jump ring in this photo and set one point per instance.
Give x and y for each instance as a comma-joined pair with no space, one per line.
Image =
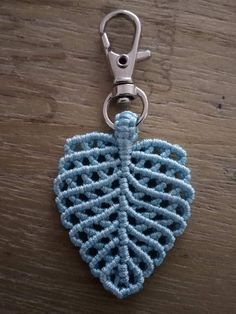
140,93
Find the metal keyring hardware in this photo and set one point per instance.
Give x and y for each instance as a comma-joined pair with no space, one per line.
140,94
122,66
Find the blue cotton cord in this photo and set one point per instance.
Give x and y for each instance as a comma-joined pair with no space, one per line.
124,202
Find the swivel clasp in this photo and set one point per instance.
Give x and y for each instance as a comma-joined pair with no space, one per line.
122,65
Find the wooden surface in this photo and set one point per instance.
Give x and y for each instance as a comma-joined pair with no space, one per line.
53,81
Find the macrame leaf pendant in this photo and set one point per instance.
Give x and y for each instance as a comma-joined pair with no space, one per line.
124,202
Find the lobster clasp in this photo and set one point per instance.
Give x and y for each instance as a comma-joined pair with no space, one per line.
122,65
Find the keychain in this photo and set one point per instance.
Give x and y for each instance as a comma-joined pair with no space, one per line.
123,201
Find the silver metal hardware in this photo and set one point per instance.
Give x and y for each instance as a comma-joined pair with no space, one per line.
122,67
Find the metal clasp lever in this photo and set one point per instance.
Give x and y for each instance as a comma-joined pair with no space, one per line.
122,66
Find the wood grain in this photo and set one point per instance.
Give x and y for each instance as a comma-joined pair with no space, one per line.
53,80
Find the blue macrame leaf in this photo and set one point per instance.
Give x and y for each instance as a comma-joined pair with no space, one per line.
123,202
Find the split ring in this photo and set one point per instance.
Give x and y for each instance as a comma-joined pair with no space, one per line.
140,93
